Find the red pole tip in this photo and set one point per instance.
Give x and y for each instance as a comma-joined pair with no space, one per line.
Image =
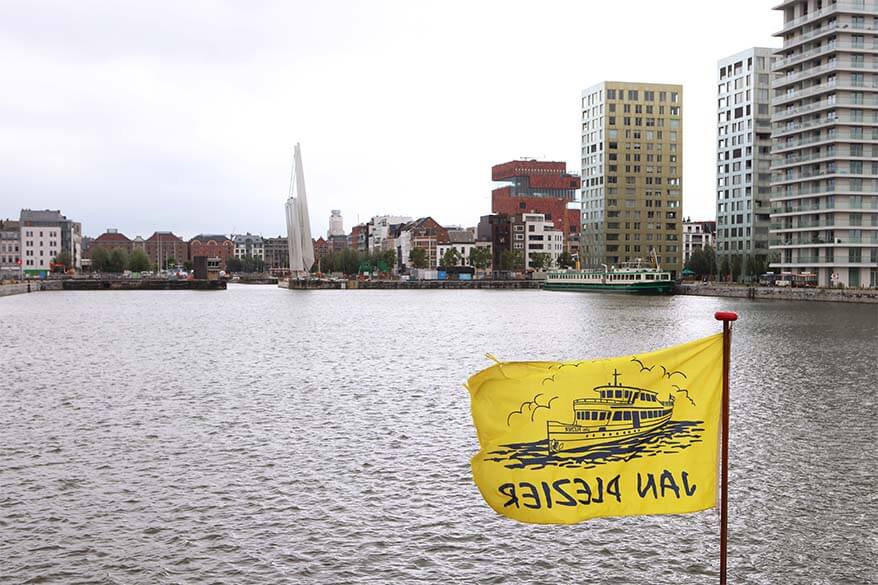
725,316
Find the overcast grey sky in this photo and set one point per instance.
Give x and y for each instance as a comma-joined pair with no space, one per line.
182,115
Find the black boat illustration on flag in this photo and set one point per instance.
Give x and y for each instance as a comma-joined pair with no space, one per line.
618,412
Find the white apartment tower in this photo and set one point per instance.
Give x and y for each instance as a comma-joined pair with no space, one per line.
743,166
825,142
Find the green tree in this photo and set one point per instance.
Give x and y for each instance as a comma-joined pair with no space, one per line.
118,260
138,262
170,263
511,260
540,260
710,259
418,257
698,263
252,264
100,259
480,257
233,264
187,266
349,262
565,260
450,258
725,267
736,267
389,257
65,259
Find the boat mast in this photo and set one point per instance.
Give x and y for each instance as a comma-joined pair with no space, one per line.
655,258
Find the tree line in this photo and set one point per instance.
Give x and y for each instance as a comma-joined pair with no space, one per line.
349,261
703,263
119,260
245,264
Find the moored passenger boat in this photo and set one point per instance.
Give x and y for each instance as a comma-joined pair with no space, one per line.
631,277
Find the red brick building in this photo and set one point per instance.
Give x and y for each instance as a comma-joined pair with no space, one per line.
108,241
321,247
212,246
426,233
359,237
164,246
532,186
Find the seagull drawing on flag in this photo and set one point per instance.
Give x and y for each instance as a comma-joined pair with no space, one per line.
667,374
643,368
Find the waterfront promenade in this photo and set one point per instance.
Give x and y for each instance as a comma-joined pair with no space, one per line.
697,289
741,291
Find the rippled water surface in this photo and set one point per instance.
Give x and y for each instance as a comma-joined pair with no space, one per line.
259,435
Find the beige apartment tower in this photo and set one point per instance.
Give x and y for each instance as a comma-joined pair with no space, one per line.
632,174
825,142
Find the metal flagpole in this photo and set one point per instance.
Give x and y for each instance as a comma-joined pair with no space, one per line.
726,317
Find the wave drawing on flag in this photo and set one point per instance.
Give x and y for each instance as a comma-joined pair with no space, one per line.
565,441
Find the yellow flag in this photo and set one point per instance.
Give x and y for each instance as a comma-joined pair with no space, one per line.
562,442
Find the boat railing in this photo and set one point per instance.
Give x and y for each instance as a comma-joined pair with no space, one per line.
599,401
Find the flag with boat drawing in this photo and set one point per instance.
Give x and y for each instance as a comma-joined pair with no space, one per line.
563,442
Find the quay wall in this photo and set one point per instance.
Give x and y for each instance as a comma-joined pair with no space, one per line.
19,288
408,284
848,295
141,284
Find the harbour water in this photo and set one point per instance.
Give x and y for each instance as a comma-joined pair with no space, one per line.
261,435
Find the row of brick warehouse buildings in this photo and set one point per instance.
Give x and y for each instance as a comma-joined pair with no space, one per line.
163,247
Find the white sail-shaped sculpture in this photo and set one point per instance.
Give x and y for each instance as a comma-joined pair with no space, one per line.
298,221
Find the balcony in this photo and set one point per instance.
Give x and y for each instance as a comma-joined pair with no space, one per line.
831,9
804,92
782,129
825,29
780,146
834,65
811,193
829,47
798,160
870,102
799,39
777,227
791,210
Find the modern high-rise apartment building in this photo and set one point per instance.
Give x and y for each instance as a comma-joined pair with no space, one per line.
632,173
743,166
825,142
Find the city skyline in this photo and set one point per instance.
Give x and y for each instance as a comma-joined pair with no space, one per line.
156,118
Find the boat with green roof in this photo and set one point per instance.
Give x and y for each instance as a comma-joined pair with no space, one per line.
638,277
